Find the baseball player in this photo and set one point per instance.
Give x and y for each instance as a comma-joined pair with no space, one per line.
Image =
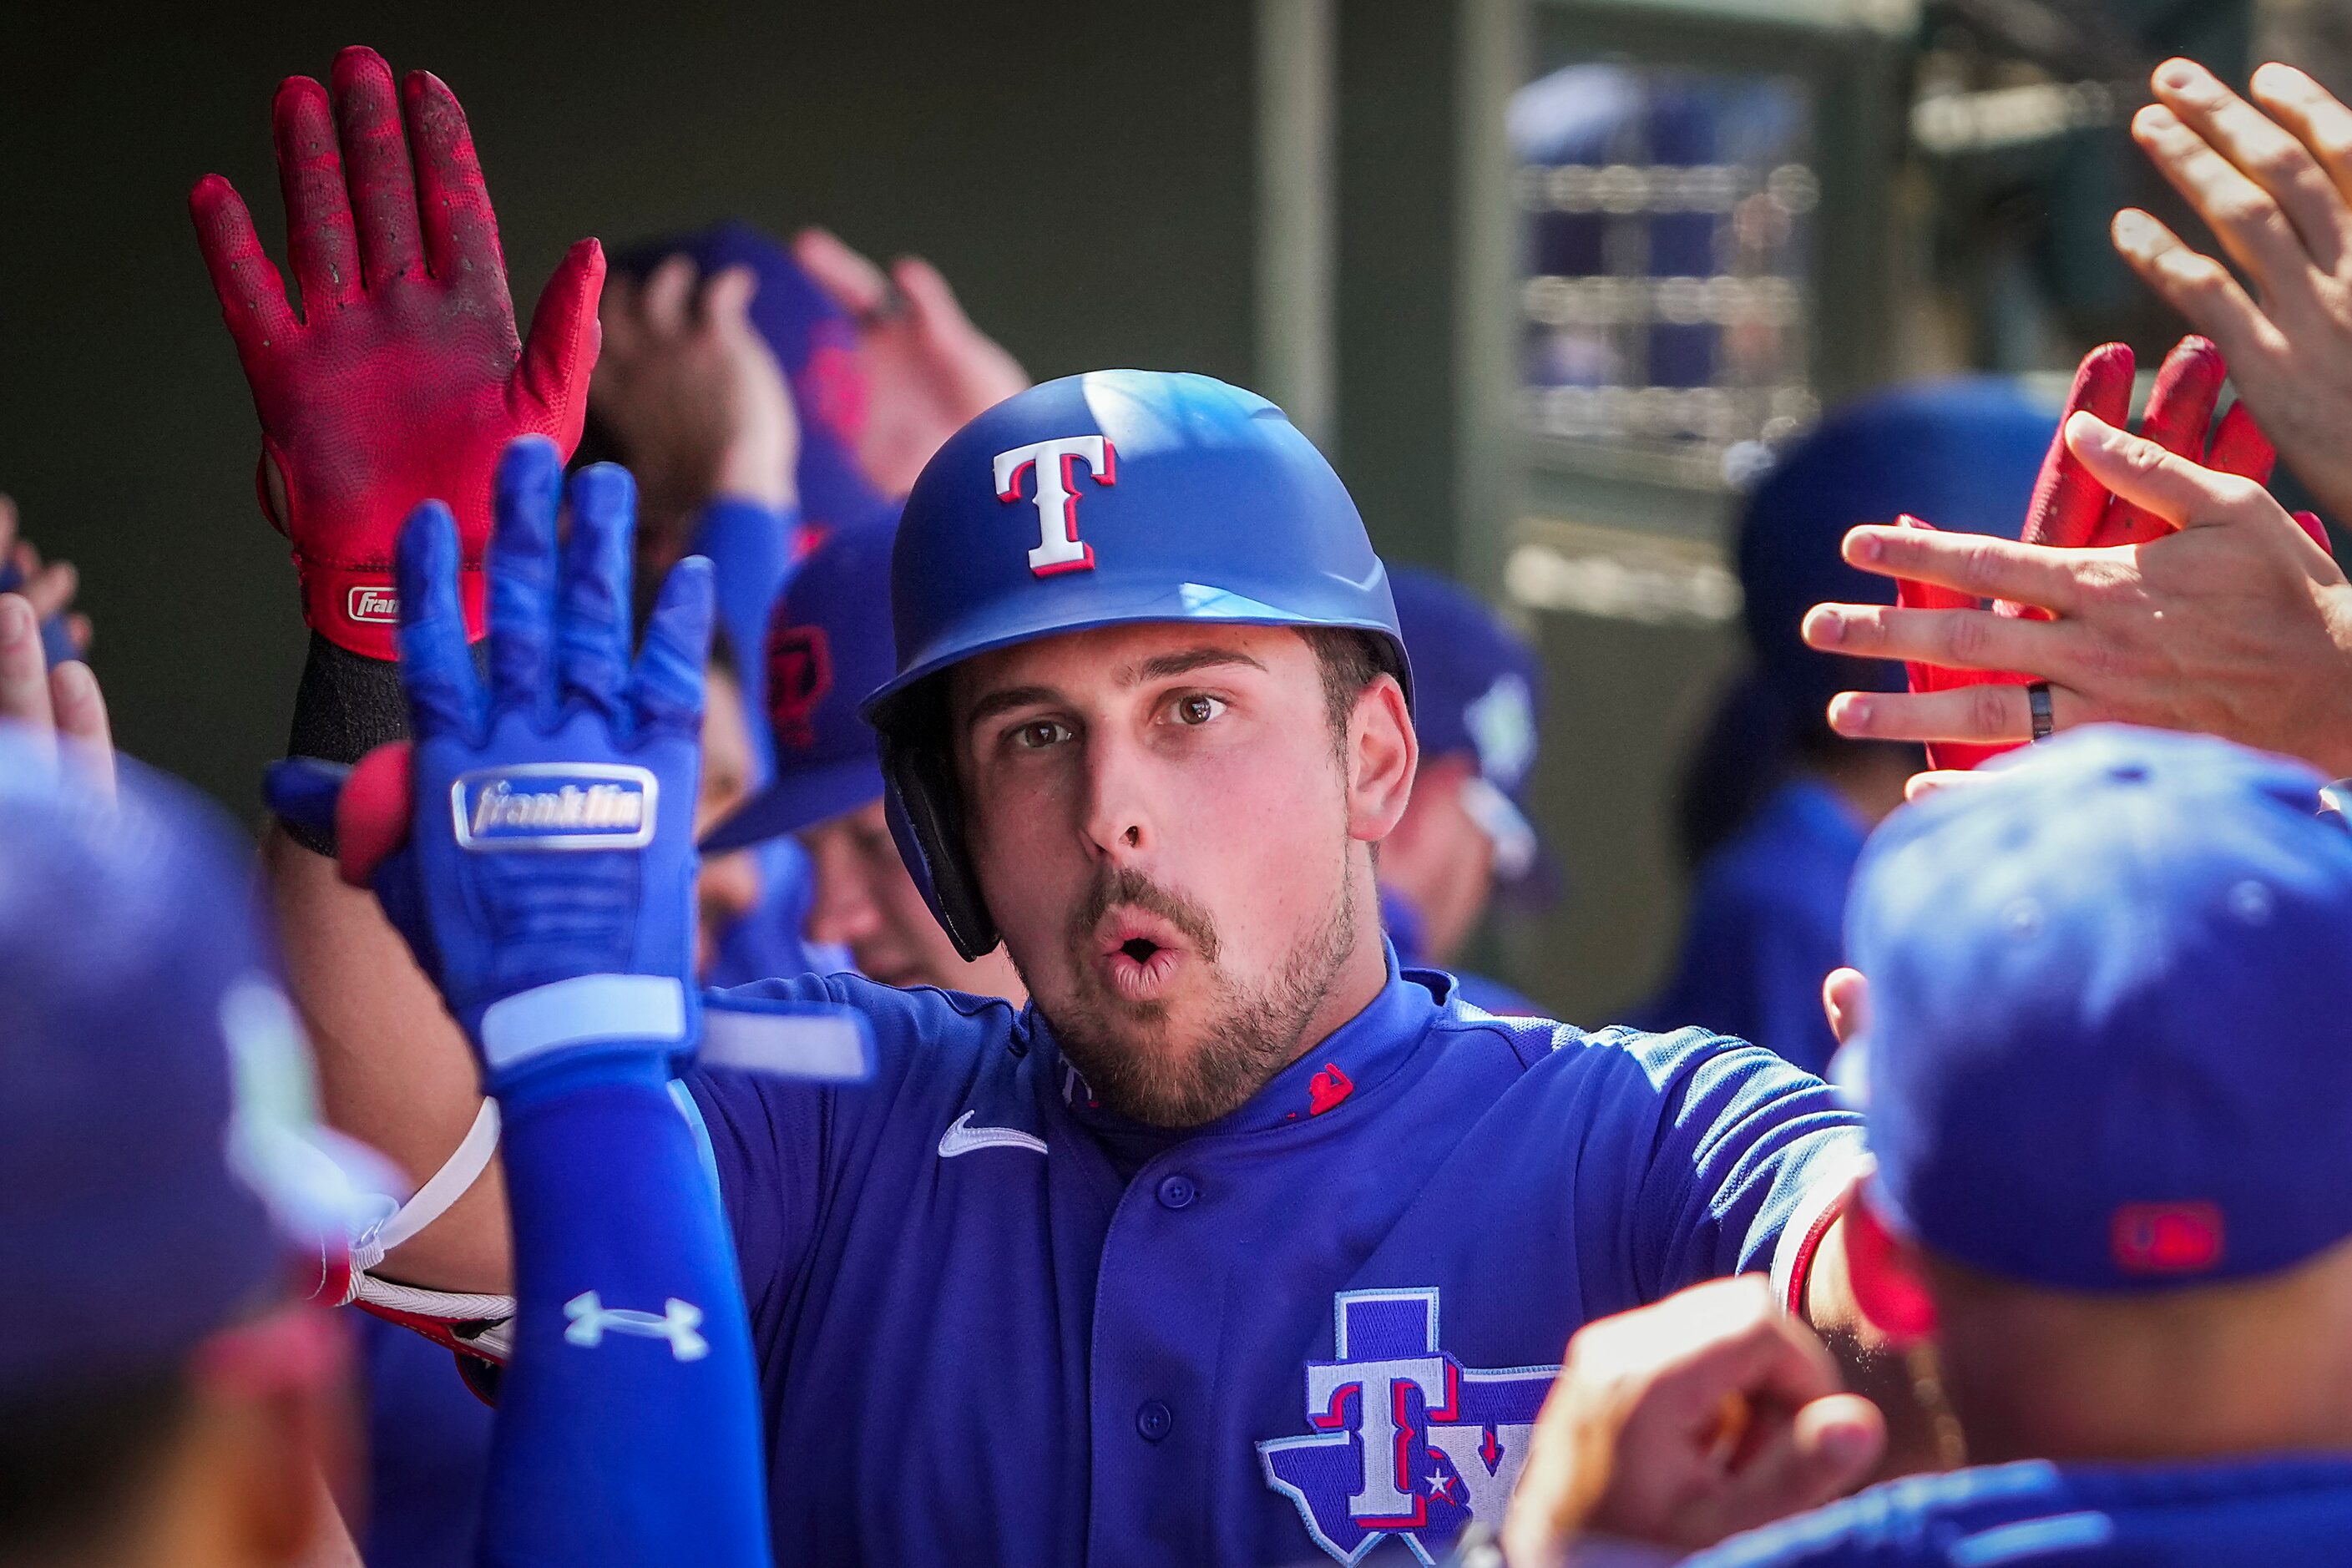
1464,832
2130,945
1766,905
1236,1243
828,646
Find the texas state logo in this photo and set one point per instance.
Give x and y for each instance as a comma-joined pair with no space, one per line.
1408,1441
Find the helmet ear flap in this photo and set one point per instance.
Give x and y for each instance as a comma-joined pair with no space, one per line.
926,819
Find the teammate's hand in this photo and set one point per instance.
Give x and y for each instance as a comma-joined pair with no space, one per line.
535,843
692,392
2239,625
1681,1422
48,586
929,370
2273,179
403,379
59,706
2070,509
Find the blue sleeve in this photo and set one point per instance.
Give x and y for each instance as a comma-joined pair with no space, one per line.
750,549
768,1138
1737,1139
632,1380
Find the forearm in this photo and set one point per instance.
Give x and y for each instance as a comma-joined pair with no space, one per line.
394,1070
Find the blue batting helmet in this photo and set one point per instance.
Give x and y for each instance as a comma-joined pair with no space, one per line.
1102,499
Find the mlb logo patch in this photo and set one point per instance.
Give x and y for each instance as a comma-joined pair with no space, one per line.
554,805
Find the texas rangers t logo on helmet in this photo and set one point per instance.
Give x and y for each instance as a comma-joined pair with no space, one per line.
1059,548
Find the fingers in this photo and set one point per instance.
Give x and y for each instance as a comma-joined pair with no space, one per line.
1990,713
83,723
252,296
2183,493
376,167
2315,117
2273,191
1845,994
1977,565
854,284
523,566
1824,1451
592,628
1955,639
8,526
1920,785
461,231
2199,286
2067,503
437,666
2243,216
669,297
666,690
2240,446
48,589
319,246
25,675
2179,415
727,299
562,350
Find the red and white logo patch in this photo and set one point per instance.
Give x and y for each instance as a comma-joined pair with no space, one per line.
1059,548
379,605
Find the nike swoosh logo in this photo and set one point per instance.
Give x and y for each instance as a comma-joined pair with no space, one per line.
963,1138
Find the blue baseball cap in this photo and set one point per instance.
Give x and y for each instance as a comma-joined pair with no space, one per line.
160,1175
1960,453
828,646
1477,693
2110,1048
814,341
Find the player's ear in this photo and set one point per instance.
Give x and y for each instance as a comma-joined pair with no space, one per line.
1382,754
1889,1283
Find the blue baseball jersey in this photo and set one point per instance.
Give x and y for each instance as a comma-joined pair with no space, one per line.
997,1323
2277,1512
1767,925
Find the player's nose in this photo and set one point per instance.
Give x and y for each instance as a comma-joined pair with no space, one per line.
1117,817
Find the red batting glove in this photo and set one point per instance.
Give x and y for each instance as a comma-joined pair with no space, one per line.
2070,510
403,379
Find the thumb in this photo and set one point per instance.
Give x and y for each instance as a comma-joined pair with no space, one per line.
373,813
1824,1451
561,349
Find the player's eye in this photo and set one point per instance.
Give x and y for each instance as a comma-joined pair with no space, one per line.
1039,734
1197,709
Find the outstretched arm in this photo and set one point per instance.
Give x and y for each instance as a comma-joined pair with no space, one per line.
401,378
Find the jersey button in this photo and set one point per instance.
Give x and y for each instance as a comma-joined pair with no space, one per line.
1154,1419
1177,1192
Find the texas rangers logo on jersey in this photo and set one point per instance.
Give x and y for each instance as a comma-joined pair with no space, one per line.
1408,1442
1055,465
553,806
799,673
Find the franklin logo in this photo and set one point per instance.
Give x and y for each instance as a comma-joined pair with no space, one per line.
1408,1442
554,805
372,605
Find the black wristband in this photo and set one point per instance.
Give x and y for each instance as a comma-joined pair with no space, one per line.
346,707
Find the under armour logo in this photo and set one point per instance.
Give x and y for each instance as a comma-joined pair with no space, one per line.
679,1323
1059,548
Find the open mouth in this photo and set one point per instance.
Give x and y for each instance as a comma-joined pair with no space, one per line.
1139,954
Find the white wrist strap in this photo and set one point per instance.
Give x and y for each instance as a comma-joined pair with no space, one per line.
455,1177
584,1010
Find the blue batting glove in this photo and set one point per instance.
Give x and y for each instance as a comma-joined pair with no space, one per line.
547,878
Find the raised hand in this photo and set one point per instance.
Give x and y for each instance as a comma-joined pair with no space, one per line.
692,392
2072,510
2273,179
929,370
402,378
59,706
48,587
2238,624
535,842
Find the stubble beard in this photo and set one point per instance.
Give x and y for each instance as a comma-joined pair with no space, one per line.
1129,1052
